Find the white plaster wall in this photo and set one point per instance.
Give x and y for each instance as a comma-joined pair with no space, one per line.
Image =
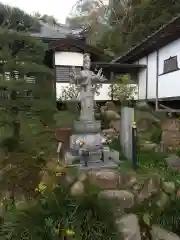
152,73
68,59
142,80
103,91
169,84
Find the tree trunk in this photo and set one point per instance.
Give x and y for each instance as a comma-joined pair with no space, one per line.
16,129
15,113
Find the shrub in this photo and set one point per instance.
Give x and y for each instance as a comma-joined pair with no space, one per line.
88,217
156,135
167,217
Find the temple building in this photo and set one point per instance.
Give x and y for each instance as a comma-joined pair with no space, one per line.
66,49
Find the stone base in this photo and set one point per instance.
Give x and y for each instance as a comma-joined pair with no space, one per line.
92,141
98,166
95,162
87,127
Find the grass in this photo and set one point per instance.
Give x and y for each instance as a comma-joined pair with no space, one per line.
53,212
152,163
65,119
149,162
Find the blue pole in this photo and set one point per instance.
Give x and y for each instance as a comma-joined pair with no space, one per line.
134,147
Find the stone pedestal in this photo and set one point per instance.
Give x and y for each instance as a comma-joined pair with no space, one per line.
91,140
88,132
83,127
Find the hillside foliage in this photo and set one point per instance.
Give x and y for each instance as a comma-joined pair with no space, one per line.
26,109
122,24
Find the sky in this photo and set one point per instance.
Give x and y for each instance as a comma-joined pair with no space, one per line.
58,8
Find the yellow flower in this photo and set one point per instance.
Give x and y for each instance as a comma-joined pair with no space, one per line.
69,232
1,204
41,188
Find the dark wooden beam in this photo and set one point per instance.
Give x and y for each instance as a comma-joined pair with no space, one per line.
117,68
57,44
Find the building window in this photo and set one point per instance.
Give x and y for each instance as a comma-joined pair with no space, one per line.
63,73
170,65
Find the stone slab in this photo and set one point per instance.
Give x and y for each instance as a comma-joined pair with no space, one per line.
98,165
108,163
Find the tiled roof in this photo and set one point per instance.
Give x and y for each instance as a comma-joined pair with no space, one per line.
56,32
164,35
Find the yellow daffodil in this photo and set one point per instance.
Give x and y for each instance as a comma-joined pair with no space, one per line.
69,232
41,188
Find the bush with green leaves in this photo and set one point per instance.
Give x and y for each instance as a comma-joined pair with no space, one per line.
156,134
52,213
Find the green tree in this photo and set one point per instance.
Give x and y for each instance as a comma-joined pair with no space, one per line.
16,19
128,21
125,91
50,20
26,108
89,15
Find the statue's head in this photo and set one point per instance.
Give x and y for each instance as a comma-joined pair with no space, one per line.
87,61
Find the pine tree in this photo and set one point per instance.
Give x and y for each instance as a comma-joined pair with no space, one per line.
26,108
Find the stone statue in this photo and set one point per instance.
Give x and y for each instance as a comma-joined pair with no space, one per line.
87,81
86,140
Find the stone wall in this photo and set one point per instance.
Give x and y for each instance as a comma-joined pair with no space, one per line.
171,133
125,190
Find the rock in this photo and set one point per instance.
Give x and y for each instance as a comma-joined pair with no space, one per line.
110,106
163,199
127,180
115,124
162,234
169,187
150,187
77,189
82,177
173,162
148,146
129,227
1,175
105,179
171,134
112,115
138,186
124,199
68,180
178,193
144,124
108,131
